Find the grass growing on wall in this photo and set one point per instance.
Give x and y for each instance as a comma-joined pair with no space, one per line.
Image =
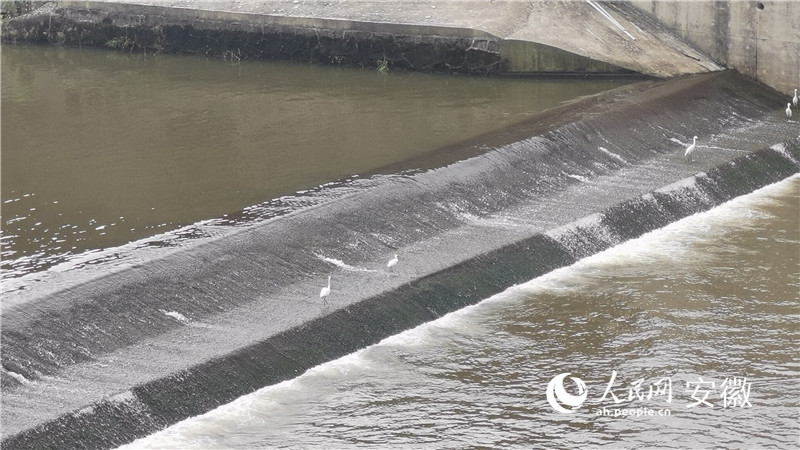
13,8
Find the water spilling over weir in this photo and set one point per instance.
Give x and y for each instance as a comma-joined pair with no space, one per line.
109,359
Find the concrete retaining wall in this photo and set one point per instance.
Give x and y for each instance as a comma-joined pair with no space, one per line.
658,38
504,36
238,36
526,58
760,39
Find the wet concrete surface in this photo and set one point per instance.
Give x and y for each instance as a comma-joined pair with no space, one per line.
533,197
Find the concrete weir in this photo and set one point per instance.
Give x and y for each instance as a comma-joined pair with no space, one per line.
100,360
112,358
454,36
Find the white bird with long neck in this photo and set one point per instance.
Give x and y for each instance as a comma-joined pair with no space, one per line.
794,99
326,291
789,110
392,262
690,149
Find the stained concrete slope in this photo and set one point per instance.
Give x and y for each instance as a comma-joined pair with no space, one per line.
602,31
612,32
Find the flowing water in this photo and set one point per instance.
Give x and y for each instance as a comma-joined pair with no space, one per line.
103,148
684,338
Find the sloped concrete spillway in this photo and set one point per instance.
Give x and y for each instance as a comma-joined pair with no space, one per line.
102,362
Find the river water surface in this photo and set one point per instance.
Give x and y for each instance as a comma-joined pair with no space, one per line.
692,330
103,148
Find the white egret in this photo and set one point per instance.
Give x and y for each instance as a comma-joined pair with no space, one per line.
690,149
392,262
794,99
789,110
326,291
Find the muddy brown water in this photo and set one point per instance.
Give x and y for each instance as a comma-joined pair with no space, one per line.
101,148
684,338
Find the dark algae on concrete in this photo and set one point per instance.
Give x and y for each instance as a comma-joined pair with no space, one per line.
153,29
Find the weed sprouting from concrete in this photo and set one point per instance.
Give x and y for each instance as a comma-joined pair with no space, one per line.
383,64
232,56
121,43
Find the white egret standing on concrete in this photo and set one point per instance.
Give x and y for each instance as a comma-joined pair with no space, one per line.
392,262
789,110
794,99
326,291
690,149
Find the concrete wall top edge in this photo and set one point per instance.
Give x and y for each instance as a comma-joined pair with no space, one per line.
596,32
204,18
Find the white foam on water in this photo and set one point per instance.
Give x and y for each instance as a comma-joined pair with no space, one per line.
494,221
94,263
671,245
612,154
341,264
580,178
20,286
678,141
176,315
672,242
190,433
246,410
124,397
780,148
18,377
84,411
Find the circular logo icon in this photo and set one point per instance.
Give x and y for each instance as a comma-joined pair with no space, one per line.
557,395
